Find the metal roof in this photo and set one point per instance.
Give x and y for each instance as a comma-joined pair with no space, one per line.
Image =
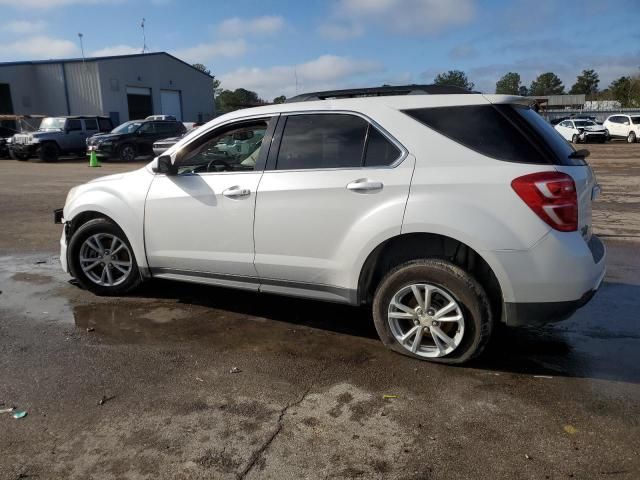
97,59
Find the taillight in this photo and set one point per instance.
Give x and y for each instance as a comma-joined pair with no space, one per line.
552,196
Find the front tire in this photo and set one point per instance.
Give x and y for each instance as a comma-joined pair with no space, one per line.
432,310
127,153
631,138
21,157
575,138
100,257
47,152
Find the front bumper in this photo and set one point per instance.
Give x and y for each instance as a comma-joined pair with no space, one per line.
104,151
64,238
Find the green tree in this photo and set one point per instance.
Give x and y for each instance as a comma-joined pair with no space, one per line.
202,68
586,83
523,90
509,84
216,83
626,90
228,101
456,78
280,99
546,84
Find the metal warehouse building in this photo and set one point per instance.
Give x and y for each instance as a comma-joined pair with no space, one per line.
125,87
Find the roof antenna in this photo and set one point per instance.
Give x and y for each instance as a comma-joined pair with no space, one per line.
144,38
295,74
81,46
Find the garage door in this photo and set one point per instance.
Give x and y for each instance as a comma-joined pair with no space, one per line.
139,103
170,101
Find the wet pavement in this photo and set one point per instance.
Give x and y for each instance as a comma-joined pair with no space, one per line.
203,382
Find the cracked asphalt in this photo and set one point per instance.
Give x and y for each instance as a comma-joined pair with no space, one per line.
183,381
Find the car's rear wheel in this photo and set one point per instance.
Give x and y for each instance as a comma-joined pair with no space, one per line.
47,152
631,138
127,153
432,310
101,258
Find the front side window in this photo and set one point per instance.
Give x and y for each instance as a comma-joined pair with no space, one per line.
322,141
127,127
233,149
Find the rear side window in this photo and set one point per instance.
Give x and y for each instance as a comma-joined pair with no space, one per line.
90,124
380,151
635,120
511,133
322,141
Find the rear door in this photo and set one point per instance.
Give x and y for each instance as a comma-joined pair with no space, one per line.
332,180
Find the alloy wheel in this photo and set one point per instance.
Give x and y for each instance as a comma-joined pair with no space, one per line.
426,320
106,259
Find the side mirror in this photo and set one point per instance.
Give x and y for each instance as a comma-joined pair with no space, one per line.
164,165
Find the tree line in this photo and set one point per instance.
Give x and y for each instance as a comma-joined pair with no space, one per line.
625,89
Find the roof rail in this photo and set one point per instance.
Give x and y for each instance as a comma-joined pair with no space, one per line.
381,92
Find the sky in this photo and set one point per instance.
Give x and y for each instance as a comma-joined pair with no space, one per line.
284,47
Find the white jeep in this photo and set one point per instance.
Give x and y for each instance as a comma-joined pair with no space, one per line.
444,210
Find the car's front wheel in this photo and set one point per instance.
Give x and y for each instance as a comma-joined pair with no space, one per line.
575,138
631,138
432,310
127,153
47,152
100,257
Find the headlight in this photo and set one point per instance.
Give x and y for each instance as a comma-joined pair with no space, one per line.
9,140
33,139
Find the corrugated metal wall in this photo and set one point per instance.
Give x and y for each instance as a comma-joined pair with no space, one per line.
84,88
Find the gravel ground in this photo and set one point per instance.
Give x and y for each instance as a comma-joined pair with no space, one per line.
182,381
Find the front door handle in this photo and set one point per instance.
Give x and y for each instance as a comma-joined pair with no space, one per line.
364,185
235,192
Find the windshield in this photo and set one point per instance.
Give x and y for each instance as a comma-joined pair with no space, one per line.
584,123
635,120
127,127
52,124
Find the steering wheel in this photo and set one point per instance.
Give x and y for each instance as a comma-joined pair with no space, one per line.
226,165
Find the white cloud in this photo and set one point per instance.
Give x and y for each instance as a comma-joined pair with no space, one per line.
24,26
340,31
324,72
42,4
116,50
409,17
38,48
238,27
206,51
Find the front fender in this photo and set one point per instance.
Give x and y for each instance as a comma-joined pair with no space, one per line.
121,199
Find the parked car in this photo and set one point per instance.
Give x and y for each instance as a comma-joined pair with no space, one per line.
394,199
5,134
160,117
11,125
58,136
165,144
134,138
623,126
582,130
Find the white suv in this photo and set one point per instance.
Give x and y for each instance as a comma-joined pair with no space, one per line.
444,210
623,126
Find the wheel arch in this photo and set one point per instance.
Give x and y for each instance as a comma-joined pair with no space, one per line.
411,246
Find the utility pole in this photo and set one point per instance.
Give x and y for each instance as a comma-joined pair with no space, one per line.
81,46
144,37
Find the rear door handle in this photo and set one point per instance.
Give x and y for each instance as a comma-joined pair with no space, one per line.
235,192
364,185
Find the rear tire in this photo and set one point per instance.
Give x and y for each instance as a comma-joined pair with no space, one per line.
47,152
631,138
95,266
455,336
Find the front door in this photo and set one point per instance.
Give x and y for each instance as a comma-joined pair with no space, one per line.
199,222
336,180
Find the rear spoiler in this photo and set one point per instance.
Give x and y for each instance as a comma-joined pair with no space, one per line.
500,99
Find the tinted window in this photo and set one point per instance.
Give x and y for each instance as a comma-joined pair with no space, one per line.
147,128
505,132
380,151
104,124
170,128
322,141
616,119
90,124
635,120
74,124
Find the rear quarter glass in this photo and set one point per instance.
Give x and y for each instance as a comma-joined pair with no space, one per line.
511,133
